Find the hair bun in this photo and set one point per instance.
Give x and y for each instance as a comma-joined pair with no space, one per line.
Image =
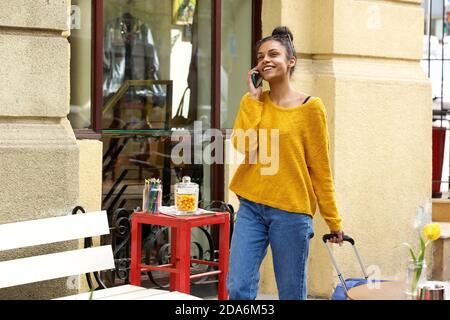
282,32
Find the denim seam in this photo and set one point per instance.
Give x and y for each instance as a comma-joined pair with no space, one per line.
304,260
302,263
258,261
255,271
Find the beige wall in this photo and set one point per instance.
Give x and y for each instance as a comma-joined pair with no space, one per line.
91,153
363,61
39,157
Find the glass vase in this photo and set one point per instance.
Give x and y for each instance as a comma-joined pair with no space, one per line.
416,275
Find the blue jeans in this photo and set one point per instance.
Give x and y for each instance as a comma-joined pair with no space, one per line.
288,234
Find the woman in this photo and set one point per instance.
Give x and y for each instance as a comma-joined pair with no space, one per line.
276,208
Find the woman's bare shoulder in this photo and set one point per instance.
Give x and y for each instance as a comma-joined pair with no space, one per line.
304,97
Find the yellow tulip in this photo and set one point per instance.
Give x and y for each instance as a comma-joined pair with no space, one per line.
432,231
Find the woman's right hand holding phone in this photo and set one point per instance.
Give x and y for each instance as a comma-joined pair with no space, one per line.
255,93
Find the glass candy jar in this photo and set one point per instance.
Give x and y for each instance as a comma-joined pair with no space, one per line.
186,196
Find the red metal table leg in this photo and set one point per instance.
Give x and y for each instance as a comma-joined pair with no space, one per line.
136,252
224,236
174,277
184,253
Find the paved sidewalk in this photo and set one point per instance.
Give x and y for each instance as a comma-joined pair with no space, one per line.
209,292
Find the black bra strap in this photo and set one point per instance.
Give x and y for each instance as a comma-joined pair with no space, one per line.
306,100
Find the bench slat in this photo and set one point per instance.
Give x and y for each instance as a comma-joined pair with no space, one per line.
98,294
55,229
134,295
56,265
174,295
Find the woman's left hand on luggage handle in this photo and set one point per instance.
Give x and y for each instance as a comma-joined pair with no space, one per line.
338,238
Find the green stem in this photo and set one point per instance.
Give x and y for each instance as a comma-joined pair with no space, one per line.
91,294
415,280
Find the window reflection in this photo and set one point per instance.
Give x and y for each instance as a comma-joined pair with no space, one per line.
80,64
237,49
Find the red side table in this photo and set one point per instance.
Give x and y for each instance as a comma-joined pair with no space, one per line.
179,268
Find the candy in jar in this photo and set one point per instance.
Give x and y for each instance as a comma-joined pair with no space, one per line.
186,195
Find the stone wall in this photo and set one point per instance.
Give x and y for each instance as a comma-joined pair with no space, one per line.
39,164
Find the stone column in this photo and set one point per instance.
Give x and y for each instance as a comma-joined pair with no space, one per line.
363,59
39,164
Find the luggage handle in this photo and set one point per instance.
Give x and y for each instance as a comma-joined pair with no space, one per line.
349,239
330,236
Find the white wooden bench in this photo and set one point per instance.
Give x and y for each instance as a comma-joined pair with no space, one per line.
68,263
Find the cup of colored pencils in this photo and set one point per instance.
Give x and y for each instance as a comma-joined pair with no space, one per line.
152,196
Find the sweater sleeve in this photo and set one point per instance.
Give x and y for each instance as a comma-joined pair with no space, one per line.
318,161
245,131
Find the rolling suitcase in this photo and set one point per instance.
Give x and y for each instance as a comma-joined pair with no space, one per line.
341,290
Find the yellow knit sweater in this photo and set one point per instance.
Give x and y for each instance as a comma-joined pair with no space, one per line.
304,175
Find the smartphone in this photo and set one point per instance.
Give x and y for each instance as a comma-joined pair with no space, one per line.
257,80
